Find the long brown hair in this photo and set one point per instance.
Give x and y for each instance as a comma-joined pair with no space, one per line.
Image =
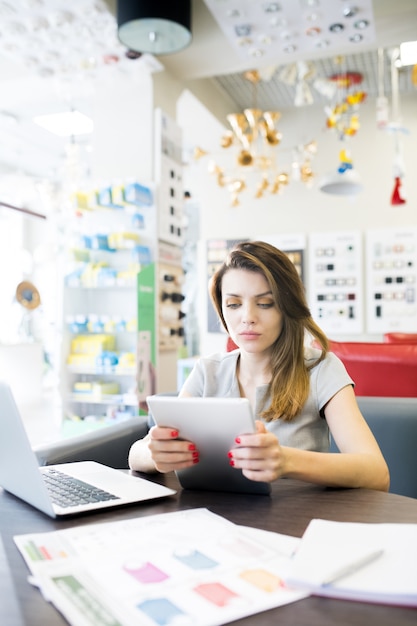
290,382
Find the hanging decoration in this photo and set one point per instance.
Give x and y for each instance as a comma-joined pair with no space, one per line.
299,75
302,76
342,117
255,136
382,106
397,129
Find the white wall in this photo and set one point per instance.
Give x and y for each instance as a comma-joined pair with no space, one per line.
123,127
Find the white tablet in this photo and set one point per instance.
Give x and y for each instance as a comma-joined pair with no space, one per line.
213,425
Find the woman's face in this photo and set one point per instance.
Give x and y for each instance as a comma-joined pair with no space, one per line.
253,319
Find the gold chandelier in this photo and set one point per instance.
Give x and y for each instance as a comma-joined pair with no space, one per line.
255,135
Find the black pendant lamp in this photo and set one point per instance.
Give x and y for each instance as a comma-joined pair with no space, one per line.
154,26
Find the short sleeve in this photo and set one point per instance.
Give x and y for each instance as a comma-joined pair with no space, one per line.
327,378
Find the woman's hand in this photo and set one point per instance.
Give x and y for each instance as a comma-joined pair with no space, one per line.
259,455
170,453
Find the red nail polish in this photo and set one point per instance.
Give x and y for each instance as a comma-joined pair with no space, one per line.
195,454
237,439
196,460
191,446
174,433
231,462
230,455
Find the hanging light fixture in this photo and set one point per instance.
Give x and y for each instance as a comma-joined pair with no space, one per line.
337,183
255,135
154,26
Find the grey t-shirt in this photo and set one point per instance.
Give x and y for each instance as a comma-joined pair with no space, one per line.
215,376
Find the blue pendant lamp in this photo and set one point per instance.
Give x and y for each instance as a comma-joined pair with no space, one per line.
154,26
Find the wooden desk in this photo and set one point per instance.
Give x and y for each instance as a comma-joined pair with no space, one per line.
290,508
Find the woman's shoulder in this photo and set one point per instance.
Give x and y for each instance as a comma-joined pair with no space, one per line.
220,359
311,353
214,375
331,365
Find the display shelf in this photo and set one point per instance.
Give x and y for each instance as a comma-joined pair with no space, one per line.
95,371
110,244
102,287
120,399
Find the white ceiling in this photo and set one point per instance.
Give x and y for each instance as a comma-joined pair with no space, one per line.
43,63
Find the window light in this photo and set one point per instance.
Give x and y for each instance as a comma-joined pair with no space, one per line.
408,53
66,124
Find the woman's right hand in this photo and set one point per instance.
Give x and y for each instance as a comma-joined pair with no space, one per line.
169,453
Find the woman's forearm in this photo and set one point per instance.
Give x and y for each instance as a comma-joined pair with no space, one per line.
368,471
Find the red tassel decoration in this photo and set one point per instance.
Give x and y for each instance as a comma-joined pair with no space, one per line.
396,196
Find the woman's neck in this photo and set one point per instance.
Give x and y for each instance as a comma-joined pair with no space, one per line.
252,371
255,367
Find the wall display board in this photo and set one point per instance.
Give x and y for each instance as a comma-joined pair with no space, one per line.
294,247
168,175
216,252
391,262
335,291
170,297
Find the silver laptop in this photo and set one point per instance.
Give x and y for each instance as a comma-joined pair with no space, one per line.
21,475
212,424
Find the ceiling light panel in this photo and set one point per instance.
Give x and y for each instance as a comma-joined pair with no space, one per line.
276,30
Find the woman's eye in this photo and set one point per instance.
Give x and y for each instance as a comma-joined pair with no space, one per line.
232,305
266,305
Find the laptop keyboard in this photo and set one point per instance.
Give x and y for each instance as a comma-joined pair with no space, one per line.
68,491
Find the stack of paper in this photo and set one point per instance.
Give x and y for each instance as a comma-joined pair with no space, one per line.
368,562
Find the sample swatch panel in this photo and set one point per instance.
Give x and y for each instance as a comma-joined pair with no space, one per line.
335,281
391,262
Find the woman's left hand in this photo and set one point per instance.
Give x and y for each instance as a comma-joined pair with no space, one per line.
259,455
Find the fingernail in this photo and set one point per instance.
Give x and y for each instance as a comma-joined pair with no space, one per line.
195,454
231,462
174,433
230,455
196,460
237,439
191,446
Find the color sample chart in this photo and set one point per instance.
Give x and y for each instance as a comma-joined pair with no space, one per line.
391,263
335,282
186,568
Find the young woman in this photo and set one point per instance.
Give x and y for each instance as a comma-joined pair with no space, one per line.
299,394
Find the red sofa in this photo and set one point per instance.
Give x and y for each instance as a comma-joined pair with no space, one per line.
400,337
380,369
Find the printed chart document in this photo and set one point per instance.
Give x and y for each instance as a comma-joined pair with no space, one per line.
188,568
357,561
